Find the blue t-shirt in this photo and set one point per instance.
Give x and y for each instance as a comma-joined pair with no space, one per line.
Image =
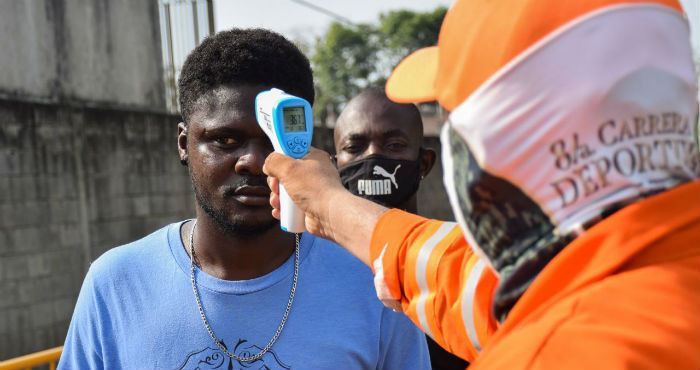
136,310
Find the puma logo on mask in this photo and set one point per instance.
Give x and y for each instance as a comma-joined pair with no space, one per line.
379,179
378,170
378,187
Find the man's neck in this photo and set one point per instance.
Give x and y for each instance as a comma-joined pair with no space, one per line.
237,257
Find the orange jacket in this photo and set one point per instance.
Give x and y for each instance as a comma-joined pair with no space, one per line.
624,295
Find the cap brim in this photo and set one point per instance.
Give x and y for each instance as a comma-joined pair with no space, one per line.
413,80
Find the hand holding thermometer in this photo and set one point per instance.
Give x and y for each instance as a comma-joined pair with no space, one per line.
288,122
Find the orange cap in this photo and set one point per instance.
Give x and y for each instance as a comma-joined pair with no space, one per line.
478,38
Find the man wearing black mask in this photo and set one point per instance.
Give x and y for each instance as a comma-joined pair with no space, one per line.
379,153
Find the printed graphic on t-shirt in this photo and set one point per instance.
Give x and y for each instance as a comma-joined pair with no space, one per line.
213,358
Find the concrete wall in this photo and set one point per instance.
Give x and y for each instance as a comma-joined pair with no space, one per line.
84,166
75,182
91,51
432,197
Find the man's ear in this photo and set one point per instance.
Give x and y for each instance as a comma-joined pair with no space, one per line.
182,142
427,162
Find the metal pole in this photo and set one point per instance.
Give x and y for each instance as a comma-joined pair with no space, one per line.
210,14
195,19
171,57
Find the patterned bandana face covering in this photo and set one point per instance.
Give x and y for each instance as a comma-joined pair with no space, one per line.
605,128
389,182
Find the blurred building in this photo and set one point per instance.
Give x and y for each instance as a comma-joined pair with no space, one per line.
433,118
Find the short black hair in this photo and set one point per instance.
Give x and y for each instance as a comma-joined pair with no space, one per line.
243,56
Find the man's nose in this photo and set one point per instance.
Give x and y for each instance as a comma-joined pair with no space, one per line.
373,148
252,160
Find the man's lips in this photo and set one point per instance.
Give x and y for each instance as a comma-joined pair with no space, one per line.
252,195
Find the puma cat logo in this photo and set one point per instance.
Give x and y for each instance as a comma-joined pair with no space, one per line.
378,170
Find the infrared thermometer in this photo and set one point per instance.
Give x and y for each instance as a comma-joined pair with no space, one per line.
288,122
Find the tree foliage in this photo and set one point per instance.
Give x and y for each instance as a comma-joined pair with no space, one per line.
348,58
406,31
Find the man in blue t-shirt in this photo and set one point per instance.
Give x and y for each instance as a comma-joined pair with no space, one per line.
229,289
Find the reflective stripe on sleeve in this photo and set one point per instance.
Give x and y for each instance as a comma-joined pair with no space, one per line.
468,297
421,268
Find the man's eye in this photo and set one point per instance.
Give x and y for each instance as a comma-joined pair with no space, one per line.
352,148
226,141
395,147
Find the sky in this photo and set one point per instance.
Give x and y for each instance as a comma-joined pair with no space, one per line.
298,22
692,9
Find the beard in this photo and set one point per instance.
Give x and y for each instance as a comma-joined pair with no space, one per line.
231,224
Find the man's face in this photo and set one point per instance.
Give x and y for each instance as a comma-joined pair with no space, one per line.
225,150
370,127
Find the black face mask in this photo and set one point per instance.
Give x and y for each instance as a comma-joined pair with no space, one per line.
385,181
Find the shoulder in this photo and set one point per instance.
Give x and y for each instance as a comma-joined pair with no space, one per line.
330,267
134,255
336,269
645,316
653,325
337,257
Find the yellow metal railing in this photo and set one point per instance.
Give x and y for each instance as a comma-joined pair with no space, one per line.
49,356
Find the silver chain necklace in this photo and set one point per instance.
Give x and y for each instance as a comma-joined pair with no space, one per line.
204,317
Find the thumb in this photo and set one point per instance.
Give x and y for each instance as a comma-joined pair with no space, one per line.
276,164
